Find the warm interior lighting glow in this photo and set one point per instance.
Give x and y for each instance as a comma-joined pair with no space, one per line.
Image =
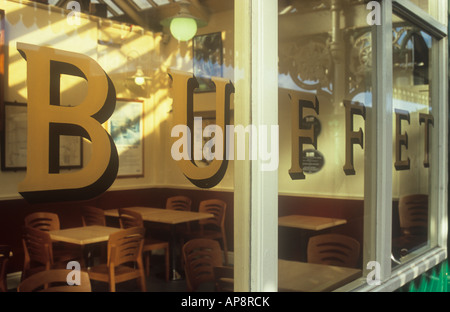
139,77
183,28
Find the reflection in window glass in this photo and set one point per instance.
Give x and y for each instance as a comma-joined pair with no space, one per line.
412,128
429,6
325,100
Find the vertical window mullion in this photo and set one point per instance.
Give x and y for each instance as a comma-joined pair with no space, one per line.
383,110
439,148
264,113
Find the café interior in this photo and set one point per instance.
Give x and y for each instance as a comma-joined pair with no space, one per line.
185,234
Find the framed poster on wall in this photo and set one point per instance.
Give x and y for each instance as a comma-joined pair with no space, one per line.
126,127
14,141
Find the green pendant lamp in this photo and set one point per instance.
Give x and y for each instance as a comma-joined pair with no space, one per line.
183,26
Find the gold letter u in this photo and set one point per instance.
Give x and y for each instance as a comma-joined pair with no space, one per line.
183,85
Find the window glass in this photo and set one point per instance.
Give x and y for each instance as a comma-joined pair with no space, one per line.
74,60
325,101
429,6
413,122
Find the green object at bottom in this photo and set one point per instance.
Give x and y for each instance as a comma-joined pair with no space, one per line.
434,281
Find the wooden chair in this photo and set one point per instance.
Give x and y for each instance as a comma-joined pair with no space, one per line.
200,256
129,218
38,252
93,216
4,257
413,219
124,259
212,228
48,221
333,249
224,278
54,281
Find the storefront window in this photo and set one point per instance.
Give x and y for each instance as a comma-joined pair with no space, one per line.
412,130
325,101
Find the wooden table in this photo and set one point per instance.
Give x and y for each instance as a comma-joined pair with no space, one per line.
309,222
309,277
161,215
166,216
83,236
308,225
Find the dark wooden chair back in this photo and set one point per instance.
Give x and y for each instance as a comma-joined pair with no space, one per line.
200,256
216,207
44,221
129,218
333,249
93,216
182,203
54,281
413,214
126,246
38,246
38,251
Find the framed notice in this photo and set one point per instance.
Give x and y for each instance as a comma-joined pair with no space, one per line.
126,127
208,57
14,141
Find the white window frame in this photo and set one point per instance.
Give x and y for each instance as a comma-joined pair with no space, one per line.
256,103
256,192
392,279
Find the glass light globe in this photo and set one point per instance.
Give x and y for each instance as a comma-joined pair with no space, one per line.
183,28
139,81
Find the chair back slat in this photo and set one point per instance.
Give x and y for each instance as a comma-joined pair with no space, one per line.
215,207
44,221
333,249
126,246
413,214
129,218
200,256
38,246
182,203
93,216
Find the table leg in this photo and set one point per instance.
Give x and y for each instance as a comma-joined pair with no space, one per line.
173,255
304,237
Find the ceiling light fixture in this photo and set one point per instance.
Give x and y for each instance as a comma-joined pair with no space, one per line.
139,77
183,26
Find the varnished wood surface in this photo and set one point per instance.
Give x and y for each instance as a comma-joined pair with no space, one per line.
166,216
296,276
84,235
309,222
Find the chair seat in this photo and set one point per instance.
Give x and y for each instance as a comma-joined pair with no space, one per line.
36,268
122,273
